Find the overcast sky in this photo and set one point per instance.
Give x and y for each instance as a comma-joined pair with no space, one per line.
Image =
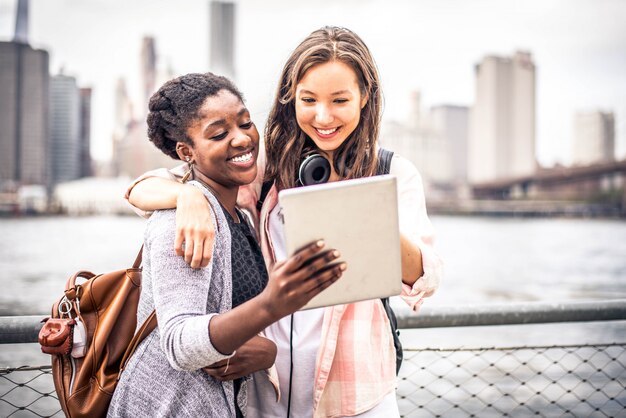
579,48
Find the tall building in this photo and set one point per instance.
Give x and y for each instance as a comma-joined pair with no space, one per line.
594,138
133,153
222,38
148,71
123,108
450,124
65,129
24,84
409,137
86,169
502,121
21,22
435,140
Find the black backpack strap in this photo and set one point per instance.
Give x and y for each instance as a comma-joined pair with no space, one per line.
395,332
384,166
384,161
265,189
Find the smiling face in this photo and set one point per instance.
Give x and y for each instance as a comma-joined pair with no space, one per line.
328,104
225,143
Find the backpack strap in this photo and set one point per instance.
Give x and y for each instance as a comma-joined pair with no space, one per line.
384,161
384,166
265,189
148,326
137,263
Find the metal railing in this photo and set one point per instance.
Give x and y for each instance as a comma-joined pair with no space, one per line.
584,380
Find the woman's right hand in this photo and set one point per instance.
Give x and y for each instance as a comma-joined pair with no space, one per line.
258,353
294,282
195,234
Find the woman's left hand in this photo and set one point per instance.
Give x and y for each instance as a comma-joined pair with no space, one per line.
256,354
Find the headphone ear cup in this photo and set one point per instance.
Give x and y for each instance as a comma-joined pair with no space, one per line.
315,169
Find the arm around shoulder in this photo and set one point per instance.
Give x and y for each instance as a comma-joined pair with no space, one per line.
161,189
156,189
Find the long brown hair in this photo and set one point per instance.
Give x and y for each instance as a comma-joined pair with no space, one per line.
285,142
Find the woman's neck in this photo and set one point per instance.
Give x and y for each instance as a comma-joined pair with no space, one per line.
227,196
333,174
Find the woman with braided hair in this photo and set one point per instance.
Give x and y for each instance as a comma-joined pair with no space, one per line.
208,315
328,101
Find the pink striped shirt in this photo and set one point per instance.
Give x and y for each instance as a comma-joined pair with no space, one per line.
356,359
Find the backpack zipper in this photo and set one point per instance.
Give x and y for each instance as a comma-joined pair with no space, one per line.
73,367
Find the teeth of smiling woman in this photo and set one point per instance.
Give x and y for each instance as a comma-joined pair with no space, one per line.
326,131
242,158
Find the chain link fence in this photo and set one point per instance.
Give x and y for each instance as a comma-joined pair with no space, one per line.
573,381
28,392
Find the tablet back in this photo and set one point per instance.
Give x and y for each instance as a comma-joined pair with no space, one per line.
360,219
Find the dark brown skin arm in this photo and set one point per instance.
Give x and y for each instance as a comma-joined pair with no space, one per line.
194,228
292,284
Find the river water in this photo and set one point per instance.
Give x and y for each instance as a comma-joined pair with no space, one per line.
487,260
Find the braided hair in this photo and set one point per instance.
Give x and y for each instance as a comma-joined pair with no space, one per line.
174,107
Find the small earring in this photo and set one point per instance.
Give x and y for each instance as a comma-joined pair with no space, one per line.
189,172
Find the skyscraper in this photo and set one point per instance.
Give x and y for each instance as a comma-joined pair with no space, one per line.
502,122
123,108
222,38
148,71
449,123
24,83
21,22
435,140
85,133
594,138
65,143
133,153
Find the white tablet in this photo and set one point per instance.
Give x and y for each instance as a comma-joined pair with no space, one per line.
360,219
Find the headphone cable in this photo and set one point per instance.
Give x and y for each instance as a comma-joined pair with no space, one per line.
290,366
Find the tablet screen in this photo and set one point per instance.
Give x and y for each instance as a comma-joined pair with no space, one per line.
360,219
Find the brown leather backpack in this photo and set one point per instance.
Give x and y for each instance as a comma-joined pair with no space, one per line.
91,335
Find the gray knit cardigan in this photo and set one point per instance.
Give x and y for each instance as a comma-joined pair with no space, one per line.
164,377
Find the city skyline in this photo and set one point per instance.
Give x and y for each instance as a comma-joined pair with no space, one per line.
420,52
